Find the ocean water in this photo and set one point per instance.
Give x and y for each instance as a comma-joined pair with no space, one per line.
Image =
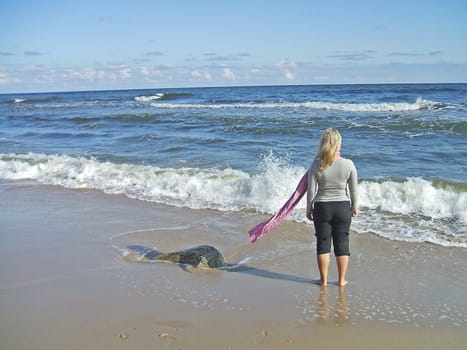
245,148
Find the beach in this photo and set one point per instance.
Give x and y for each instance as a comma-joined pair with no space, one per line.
65,282
90,179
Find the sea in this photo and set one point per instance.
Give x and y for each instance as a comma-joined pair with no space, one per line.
244,149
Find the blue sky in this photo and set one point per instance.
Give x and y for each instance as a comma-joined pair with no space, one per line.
89,45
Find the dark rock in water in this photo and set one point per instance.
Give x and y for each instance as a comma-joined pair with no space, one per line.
200,256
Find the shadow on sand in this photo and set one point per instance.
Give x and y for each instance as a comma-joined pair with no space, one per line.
145,254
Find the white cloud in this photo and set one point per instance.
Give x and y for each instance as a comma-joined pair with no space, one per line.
88,74
125,73
40,77
287,68
147,72
196,74
5,79
228,74
201,75
92,74
283,64
149,75
289,75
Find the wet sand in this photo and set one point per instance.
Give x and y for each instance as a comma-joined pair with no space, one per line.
64,282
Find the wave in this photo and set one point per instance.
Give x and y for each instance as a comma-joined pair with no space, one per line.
42,99
419,104
412,209
149,98
161,96
417,196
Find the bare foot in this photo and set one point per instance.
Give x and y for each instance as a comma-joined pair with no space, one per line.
320,283
343,283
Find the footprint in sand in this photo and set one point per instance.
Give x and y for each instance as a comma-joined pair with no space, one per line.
170,341
261,336
123,336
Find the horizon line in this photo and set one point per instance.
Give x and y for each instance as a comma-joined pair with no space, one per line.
226,86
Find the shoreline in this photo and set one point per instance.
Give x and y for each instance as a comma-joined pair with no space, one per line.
64,281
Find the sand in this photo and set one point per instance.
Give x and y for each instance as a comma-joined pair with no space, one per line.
64,281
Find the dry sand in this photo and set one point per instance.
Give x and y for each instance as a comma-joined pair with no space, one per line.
64,283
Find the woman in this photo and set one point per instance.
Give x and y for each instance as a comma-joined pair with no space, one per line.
332,200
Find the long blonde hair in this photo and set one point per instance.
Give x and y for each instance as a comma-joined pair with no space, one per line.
329,145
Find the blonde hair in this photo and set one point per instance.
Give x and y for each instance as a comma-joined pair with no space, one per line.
329,145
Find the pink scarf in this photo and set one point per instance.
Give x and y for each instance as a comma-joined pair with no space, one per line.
263,228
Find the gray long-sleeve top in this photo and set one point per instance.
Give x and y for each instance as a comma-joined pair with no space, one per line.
336,183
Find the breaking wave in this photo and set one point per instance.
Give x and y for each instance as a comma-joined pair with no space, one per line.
161,96
412,209
419,104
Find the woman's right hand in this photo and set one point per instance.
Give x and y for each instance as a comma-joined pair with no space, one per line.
354,213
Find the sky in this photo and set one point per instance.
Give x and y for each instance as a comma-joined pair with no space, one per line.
94,45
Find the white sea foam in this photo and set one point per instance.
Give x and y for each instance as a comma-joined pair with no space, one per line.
413,209
414,196
154,97
348,107
238,265
19,100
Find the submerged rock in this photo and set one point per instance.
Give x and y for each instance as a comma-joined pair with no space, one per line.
200,256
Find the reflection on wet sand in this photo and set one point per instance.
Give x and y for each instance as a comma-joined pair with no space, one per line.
341,313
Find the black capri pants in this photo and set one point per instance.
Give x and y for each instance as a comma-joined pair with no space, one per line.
332,220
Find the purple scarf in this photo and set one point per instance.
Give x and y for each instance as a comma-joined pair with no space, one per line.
263,228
